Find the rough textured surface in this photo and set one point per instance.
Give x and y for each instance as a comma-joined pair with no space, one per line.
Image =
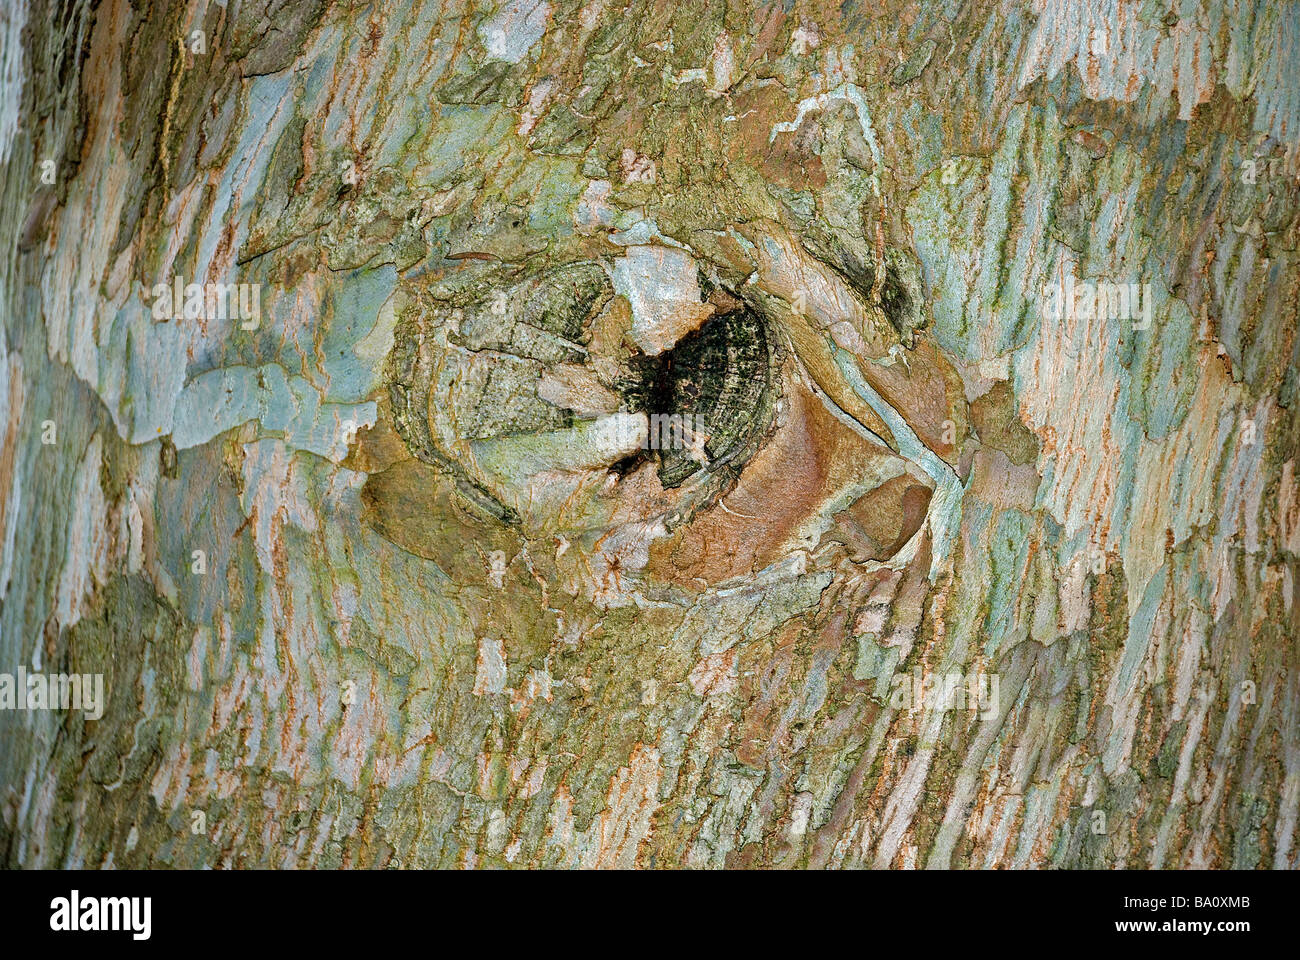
454,610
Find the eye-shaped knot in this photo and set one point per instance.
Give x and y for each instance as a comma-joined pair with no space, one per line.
716,427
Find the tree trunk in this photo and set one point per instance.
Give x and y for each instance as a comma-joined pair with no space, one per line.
712,434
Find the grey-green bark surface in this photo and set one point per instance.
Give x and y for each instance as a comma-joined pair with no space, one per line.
446,615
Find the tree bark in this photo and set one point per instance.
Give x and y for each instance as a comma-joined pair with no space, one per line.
389,563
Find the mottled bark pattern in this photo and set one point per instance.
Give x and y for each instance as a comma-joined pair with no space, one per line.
381,580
